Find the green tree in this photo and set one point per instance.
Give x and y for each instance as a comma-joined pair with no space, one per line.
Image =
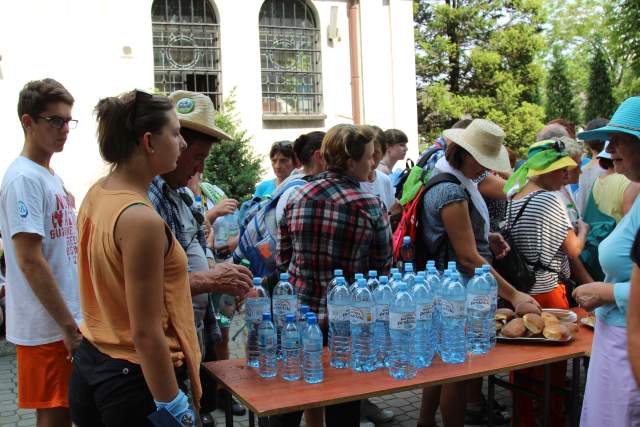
600,102
480,59
232,165
560,95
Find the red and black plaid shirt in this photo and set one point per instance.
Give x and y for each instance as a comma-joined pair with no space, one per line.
331,223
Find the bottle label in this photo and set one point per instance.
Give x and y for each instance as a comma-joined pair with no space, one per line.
382,312
339,313
479,302
452,308
361,315
403,321
283,306
254,309
424,311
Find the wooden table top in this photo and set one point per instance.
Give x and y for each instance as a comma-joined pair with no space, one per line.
273,396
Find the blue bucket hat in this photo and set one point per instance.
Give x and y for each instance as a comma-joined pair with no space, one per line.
626,119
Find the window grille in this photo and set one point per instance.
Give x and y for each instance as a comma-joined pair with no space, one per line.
290,59
186,47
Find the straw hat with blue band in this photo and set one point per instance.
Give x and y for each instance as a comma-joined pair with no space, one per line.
626,119
543,157
196,111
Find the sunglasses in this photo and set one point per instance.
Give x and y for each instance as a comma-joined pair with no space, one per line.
58,122
558,145
141,96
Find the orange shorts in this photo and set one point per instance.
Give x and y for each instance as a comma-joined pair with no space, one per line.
43,376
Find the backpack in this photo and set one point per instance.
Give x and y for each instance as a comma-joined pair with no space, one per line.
407,179
258,232
600,226
409,223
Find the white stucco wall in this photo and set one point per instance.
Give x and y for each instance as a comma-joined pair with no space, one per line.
79,43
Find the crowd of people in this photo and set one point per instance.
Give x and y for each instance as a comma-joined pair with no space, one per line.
113,309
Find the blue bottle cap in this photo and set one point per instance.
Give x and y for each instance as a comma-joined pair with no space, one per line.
431,263
309,314
290,318
406,240
486,268
384,280
478,271
402,286
304,309
312,320
359,276
257,281
284,276
340,281
395,270
408,267
431,269
373,273
338,272
266,316
419,279
198,198
362,283
397,276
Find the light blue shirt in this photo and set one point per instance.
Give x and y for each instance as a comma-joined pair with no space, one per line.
615,258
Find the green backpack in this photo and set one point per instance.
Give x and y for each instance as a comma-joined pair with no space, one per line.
600,226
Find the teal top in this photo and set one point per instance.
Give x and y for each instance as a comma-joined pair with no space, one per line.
615,259
265,188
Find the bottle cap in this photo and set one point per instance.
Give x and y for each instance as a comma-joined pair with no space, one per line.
304,309
486,267
257,281
406,240
198,198
284,276
478,270
312,320
338,272
373,273
397,276
309,314
408,267
362,283
402,286
395,270
289,318
266,316
359,276
245,263
384,280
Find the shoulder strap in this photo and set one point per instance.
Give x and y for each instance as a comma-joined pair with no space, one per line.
520,211
439,179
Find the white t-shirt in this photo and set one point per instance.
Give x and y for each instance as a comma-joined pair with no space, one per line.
382,188
34,201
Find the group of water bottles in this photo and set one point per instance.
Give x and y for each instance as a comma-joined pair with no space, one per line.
296,341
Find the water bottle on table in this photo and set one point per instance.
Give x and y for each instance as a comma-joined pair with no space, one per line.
284,302
257,303
373,281
423,298
291,361
407,252
354,285
383,297
302,319
268,366
402,325
480,319
312,343
491,280
453,348
338,304
409,276
363,354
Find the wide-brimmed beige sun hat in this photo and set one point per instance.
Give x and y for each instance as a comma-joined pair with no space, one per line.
196,111
483,140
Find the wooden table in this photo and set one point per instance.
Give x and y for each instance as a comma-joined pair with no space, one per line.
266,397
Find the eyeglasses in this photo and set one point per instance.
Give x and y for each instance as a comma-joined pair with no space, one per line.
558,145
140,94
58,122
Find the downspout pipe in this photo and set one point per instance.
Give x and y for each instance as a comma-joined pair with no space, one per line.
354,57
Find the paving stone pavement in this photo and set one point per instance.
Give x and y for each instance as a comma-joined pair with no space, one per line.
405,405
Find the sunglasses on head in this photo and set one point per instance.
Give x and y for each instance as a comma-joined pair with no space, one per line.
558,145
140,95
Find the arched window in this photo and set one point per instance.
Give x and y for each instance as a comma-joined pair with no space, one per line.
186,47
290,59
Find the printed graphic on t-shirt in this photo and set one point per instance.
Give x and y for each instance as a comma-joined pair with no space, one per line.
63,225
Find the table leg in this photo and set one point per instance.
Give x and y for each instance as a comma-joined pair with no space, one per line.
491,391
546,397
252,419
228,409
263,421
575,391
515,401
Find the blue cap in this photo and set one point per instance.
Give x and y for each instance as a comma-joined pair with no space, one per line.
257,281
340,281
395,270
290,318
373,273
284,276
198,198
402,286
486,267
384,279
304,309
478,270
359,276
362,283
397,276
431,263
266,316
420,279
406,240
338,272
408,267
312,320
431,269
309,314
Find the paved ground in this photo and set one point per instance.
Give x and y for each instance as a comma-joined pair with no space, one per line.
406,404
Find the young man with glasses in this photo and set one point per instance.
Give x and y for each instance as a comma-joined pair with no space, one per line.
168,195
38,222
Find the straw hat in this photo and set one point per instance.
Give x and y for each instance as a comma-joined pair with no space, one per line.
483,140
626,119
196,111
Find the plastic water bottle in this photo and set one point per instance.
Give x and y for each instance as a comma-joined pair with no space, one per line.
409,276
402,325
395,279
363,354
407,252
383,297
257,303
291,345
302,319
423,298
493,284
354,285
284,302
437,300
373,281
312,343
336,273
338,304
479,295
268,366
434,281
453,348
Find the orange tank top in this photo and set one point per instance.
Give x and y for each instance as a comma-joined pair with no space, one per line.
102,286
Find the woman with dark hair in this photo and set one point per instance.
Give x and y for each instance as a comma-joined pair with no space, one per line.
396,142
611,396
139,336
283,161
378,183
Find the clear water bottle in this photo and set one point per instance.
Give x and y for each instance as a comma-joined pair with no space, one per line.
423,298
373,281
452,267
437,302
336,273
402,324
363,354
395,279
312,343
268,366
354,285
479,295
302,319
291,346
284,302
453,348
409,276
407,252
338,305
434,282
383,297
257,302
491,280
220,233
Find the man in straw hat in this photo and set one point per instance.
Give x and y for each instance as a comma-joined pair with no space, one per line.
167,193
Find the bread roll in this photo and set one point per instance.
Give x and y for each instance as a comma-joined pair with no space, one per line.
504,314
533,323
573,328
549,318
525,308
514,329
499,325
556,332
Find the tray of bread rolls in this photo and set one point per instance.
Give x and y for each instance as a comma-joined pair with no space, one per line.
529,324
